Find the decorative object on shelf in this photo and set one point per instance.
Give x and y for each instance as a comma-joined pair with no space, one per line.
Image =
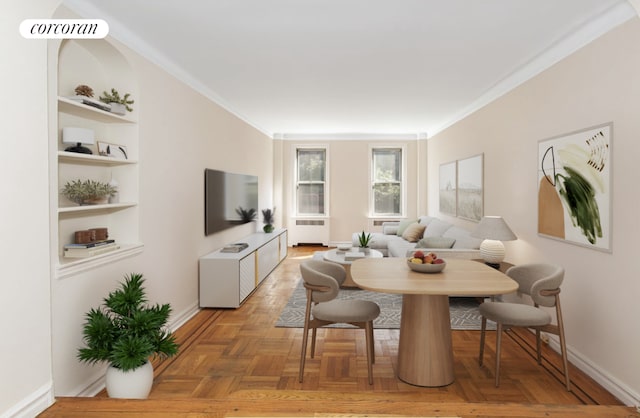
78,136
88,192
494,230
267,216
119,105
84,90
107,149
364,240
246,215
125,332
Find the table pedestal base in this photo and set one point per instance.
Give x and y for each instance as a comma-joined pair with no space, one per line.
425,352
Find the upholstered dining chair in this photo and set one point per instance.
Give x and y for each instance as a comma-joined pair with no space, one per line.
542,283
322,280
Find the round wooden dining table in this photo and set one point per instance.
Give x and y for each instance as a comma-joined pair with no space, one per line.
425,351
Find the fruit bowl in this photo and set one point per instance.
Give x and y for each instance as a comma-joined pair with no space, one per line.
427,268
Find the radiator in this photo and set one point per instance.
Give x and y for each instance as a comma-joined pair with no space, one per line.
308,231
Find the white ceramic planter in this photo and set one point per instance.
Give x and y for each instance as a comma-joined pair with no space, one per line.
132,384
118,108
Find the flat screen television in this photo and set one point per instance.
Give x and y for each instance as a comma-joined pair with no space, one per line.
225,194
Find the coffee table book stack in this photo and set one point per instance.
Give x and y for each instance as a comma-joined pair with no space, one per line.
90,249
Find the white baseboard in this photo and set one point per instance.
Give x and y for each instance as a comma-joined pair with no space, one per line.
33,404
181,318
618,389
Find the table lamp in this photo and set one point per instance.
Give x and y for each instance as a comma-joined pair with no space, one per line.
77,136
494,230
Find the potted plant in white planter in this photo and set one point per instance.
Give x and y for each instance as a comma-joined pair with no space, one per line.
268,217
364,240
119,105
126,333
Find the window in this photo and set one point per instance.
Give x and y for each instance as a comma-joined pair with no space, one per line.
386,182
311,166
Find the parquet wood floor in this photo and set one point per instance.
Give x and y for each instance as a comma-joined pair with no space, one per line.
236,363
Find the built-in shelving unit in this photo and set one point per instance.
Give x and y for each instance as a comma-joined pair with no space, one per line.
84,62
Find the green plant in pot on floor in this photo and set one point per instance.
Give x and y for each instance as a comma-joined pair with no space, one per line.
126,332
268,218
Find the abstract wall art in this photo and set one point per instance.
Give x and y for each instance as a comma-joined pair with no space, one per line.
574,187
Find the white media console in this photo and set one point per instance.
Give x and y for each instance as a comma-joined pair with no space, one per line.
226,279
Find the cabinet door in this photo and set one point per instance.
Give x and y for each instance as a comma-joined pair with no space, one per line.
247,276
267,258
283,245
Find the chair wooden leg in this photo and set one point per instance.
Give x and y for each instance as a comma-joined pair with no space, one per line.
538,346
498,346
370,350
303,353
483,328
313,342
563,344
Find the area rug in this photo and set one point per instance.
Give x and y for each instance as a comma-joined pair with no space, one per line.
463,311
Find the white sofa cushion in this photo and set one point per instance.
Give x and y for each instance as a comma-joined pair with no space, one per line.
436,242
463,238
436,228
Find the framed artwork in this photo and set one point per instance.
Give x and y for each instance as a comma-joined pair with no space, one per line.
574,187
469,188
107,149
447,181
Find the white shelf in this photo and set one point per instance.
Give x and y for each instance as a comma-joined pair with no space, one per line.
96,208
75,265
72,107
91,159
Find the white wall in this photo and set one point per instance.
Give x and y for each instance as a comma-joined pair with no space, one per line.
25,352
348,171
181,133
598,84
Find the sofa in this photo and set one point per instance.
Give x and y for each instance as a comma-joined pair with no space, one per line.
400,239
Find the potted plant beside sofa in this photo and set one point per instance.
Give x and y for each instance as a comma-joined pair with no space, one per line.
364,240
126,333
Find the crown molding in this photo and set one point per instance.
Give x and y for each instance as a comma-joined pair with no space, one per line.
349,136
564,47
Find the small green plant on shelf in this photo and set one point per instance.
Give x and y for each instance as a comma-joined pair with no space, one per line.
114,97
88,192
268,218
125,332
364,239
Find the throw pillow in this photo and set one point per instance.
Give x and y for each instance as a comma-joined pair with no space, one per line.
402,226
413,232
436,242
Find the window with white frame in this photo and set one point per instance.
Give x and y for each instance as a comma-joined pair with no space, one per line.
386,182
311,167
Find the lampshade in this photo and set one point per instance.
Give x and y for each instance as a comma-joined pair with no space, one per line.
77,136
494,230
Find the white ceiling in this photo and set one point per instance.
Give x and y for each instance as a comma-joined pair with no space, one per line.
354,66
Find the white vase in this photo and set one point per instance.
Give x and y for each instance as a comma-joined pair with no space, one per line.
132,384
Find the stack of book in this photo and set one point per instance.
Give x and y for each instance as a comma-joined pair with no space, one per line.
90,249
234,248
